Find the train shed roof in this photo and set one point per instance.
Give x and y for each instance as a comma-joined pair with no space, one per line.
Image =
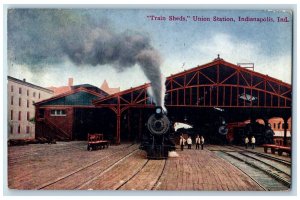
215,84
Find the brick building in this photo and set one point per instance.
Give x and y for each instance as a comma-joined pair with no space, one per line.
21,111
277,125
70,115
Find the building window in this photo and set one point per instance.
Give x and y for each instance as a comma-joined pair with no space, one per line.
20,90
27,92
19,129
28,116
58,112
11,115
274,125
278,125
39,95
12,88
20,115
33,94
20,102
27,103
12,100
11,129
27,129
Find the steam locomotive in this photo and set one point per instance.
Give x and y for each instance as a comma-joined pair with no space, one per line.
158,140
214,131
263,134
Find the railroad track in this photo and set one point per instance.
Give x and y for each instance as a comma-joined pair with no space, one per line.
85,169
270,173
153,169
51,149
143,174
129,162
282,161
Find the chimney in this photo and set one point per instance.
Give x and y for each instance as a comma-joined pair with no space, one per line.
70,82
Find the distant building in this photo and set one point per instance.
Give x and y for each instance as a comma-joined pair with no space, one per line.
21,111
277,125
68,88
108,89
62,89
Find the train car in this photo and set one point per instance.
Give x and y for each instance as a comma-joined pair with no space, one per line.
158,140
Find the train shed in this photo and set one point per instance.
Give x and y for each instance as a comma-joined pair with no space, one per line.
200,95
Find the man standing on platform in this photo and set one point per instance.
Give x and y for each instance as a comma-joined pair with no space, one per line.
189,142
246,142
202,142
197,142
253,142
181,142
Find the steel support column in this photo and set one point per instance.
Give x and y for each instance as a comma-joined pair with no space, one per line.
118,131
129,124
140,124
285,126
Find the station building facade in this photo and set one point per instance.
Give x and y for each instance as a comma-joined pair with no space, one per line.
21,111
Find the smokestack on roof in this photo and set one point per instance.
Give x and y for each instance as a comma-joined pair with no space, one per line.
70,82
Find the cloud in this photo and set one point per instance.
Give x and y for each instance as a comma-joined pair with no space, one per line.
234,51
43,38
57,75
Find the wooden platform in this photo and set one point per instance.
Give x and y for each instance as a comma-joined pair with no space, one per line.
68,166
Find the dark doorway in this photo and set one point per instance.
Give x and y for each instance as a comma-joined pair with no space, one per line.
93,120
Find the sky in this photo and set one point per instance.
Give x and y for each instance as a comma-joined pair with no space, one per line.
48,46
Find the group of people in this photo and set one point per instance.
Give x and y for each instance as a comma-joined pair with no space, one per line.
199,141
252,142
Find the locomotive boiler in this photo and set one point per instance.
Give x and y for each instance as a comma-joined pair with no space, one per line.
157,141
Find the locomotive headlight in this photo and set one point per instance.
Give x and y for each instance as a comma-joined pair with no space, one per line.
158,110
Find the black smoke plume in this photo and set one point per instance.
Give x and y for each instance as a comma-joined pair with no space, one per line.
38,37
